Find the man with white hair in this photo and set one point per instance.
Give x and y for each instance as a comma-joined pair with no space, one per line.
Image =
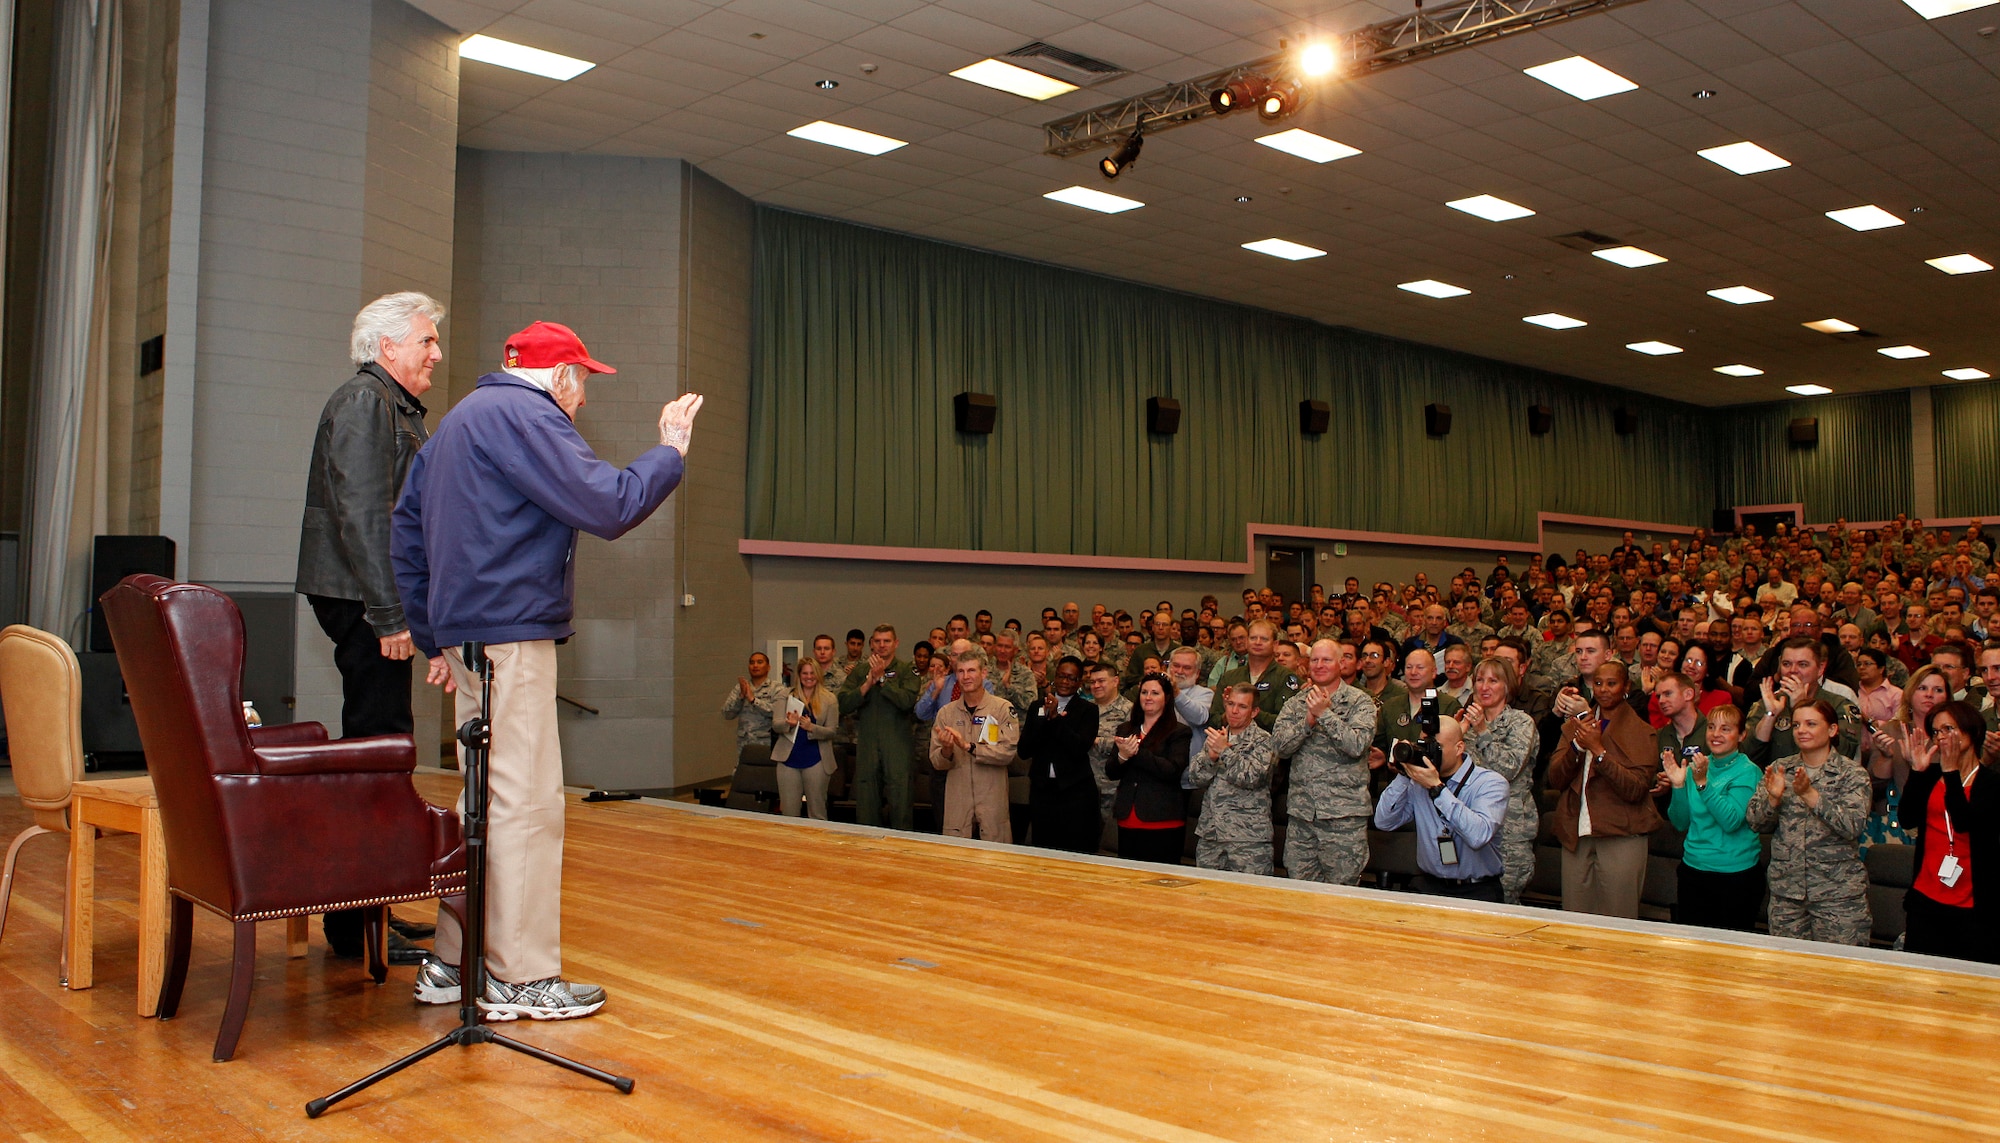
368,433
483,542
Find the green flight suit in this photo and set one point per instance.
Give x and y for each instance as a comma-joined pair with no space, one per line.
882,750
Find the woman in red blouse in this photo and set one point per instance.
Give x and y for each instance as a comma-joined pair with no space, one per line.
1952,812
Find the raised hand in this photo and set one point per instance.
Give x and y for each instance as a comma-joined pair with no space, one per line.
1919,749
1672,770
743,684
1774,700
1698,769
677,421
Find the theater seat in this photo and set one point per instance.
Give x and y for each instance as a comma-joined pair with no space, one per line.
755,783
1891,869
1392,857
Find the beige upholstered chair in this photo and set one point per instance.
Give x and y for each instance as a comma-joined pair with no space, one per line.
42,693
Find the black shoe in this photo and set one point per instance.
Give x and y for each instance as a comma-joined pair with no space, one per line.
404,954
412,930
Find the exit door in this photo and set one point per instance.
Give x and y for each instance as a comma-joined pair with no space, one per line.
1289,572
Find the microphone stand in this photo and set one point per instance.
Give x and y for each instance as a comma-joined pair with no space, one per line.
477,737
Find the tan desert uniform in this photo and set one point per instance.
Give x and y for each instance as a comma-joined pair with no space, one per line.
975,794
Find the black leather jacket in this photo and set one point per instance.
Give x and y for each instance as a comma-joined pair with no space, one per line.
368,433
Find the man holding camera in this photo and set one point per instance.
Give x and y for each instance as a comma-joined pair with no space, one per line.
1458,807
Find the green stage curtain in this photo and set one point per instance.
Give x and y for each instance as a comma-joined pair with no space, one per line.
1966,426
1860,470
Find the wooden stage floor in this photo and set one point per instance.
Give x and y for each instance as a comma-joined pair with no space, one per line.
779,981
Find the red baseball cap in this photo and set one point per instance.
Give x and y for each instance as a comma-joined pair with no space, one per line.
544,345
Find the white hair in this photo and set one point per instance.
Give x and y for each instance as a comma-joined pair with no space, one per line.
391,316
545,378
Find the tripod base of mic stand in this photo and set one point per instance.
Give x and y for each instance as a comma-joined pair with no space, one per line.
466,1037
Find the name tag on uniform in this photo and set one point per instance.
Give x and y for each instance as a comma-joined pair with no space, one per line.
1263,686
888,674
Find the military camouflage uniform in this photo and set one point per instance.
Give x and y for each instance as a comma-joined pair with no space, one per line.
832,677
1471,635
1781,745
1819,887
1109,719
1234,831
1508,747
753,715
1327,806
1397,626
1018,687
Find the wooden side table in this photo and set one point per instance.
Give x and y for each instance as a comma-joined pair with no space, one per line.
125,804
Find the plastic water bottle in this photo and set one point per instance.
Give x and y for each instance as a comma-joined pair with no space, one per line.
250,715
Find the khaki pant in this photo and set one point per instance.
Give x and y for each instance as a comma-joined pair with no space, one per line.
807,782
524,829
975,796
1605,875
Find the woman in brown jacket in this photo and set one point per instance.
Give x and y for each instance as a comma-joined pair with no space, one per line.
1605,766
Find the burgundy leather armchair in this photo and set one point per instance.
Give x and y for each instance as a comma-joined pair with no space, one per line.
267,822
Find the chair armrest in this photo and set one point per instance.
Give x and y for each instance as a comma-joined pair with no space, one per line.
292,734
383,753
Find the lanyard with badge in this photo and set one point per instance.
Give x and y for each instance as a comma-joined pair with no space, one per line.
1949,870
1448,845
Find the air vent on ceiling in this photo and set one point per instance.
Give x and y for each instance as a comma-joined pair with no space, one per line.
1587,240
1068,66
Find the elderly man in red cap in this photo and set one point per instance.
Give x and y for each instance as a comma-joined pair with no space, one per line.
484,544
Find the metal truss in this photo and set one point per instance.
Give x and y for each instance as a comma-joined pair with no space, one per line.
1420,35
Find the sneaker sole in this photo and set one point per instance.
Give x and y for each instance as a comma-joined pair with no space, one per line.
502,1013
429,995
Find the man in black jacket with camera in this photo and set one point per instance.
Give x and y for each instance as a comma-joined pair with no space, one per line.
370,429
1056,737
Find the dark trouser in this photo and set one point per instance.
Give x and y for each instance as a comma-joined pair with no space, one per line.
1942,930
1470,889
1069,823
375,699
882,766
1718,900
1165,846
938,779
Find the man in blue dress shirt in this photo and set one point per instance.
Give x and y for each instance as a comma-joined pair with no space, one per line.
1458,807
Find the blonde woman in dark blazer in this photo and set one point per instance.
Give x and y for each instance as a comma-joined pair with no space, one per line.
803,748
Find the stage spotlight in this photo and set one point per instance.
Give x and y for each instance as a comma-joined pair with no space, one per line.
1244,92
1317,59
1280,100
1127,154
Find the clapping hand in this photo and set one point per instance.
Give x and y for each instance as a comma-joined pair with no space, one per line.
951,738
1218,741
1474,717
792,718
1802,785
876,665
1317,700
1049,707
743,684
1698,769
1569,702
1795,692
1672,770
1128,746
1774,783
1920,749
1590,735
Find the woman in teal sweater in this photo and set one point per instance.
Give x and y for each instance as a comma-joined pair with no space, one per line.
1720,885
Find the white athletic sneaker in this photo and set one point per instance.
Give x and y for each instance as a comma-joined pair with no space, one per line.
437,983
550,999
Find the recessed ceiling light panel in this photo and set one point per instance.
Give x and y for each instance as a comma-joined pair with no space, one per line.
1002,76
1967,374
521,57
1653,348
1289,251
1308,146
1959,264
1870,217
1932,9
1555,321
1629,256
1808,390
1744,158
1432,288
1739,295
1832,325
834,135
1094,200
1739,370
1904,352
1489,207
1581,78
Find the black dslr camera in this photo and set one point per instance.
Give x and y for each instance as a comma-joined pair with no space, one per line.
1426,748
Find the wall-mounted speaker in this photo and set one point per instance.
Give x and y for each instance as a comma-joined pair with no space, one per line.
1163,415
1314,417
1625,421
975,412
1541,419
1722,521
1437,419
1804,432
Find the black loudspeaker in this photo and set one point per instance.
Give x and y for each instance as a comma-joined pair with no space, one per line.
1722,521
1437,419
975,412
1163,415
108,727
1541,419
112,558
1625,421
1314,417
1804,432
